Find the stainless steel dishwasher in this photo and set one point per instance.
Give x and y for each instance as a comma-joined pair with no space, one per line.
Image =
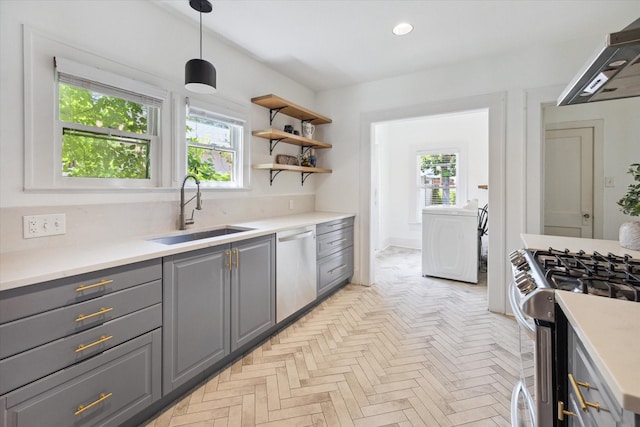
295,270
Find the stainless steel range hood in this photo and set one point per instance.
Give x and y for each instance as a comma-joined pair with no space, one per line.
613,73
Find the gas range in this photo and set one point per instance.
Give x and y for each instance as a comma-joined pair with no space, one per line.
538,273
537,276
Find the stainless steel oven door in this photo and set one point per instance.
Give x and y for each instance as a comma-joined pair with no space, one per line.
523,410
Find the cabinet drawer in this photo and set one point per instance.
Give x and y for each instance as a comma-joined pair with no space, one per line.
334,269
329,226
29,300
333,242
128,376
30,365
584,371
30,332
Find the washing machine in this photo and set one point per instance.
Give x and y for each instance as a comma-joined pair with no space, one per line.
450,243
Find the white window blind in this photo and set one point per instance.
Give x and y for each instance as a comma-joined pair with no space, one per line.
108,83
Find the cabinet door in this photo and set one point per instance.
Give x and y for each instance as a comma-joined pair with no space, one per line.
196,313
252,289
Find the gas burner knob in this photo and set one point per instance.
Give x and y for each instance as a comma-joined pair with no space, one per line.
524,282
517,260
532,286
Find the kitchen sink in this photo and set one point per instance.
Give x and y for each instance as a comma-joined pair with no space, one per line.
199,235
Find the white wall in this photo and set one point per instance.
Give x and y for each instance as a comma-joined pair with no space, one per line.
155,44
508,76
399,141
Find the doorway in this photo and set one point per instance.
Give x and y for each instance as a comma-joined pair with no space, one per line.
568,182
497,274
403,183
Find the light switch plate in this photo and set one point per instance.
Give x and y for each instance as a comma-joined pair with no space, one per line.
609,182
43,225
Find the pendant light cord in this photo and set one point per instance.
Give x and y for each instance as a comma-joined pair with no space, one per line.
200,32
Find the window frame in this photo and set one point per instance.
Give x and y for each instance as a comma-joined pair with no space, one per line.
461,175
225,111
42,128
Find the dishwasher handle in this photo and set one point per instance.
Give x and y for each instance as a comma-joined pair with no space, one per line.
296,236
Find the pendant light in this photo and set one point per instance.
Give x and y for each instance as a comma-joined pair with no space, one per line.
199,74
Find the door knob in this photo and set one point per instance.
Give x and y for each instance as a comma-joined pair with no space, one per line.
586,216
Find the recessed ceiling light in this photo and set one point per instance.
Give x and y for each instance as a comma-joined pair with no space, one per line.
402,28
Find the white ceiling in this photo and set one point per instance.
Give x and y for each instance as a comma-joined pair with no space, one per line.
325,44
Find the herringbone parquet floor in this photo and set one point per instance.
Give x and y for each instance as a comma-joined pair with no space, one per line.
410,351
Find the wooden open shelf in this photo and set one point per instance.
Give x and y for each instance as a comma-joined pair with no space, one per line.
275,136
278,167
273,102
275,168
276,105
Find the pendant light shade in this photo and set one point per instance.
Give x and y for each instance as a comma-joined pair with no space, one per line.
199,74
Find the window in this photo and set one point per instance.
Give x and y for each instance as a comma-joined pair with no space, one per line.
438,179
104,136
214,145
107,127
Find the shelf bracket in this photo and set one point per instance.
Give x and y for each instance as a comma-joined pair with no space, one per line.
272,145
272,175
304,176
272,114
304,149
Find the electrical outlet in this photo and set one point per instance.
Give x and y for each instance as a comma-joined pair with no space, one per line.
43,225
290,203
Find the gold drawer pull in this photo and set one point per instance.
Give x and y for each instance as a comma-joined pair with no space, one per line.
102,398
583,404
562,412
338,241
237,254
338,224
103,310
95,285
338,268
103,338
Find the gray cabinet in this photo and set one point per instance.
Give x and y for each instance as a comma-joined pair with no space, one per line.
83,350
589,398
334,254
253,292
215,300
196,313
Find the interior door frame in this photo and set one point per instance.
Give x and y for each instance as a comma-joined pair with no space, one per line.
498,274
536,100
598,169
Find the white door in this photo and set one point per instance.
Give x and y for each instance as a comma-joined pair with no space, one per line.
568,182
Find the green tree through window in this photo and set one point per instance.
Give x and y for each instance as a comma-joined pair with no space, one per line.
103,136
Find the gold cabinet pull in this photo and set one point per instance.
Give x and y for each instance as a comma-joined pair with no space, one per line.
338,241
103,338
228,254
95,285
338,268
337,224
103,310
101,398
583,404
562,412
237,254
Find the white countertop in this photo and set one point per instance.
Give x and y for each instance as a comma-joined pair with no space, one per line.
35,266
609,328
610,331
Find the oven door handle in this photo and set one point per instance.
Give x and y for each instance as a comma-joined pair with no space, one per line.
517,311
520,388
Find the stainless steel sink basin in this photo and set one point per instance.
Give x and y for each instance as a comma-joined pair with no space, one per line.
199,235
